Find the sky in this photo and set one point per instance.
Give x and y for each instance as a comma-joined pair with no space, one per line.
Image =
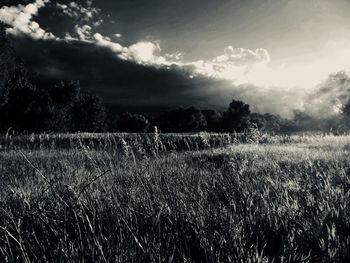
134,53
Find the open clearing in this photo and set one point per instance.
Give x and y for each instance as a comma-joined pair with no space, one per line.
98,199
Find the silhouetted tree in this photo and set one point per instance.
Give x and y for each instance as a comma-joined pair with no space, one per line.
65,93
182,120
273,122
55,103
87,114
111,122
344,120
133,123
213,119
19,109
18,97
60,108
7,63
236,118
258,119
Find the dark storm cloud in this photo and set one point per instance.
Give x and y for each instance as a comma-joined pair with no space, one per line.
128,85
119,82
135,75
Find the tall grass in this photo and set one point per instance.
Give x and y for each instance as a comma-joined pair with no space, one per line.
98,141
102,198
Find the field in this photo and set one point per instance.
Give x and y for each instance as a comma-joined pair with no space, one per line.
175,198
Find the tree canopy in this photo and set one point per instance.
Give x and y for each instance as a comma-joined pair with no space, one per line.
236,118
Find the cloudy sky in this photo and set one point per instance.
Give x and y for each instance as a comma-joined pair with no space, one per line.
157,53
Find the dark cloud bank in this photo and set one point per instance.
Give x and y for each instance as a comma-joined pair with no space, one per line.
127,85
118,82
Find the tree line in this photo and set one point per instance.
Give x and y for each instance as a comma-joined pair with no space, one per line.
65,107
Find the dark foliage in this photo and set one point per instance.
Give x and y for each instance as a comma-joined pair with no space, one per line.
213,119
266,122
132,123
61,108
65,93
345,118
87,114
18,108
53,105
7,63
236,118
182,120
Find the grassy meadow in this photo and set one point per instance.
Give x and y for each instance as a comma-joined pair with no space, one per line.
175,198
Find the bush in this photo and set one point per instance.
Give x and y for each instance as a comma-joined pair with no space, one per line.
133,123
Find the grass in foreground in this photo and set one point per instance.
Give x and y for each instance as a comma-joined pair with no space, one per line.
275,202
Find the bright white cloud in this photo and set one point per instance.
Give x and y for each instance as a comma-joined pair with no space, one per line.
106,42
144,52
244,66
239,65
19,19
141,52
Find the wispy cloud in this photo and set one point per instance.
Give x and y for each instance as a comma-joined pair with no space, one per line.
234,64
83,32
81,13
330,96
